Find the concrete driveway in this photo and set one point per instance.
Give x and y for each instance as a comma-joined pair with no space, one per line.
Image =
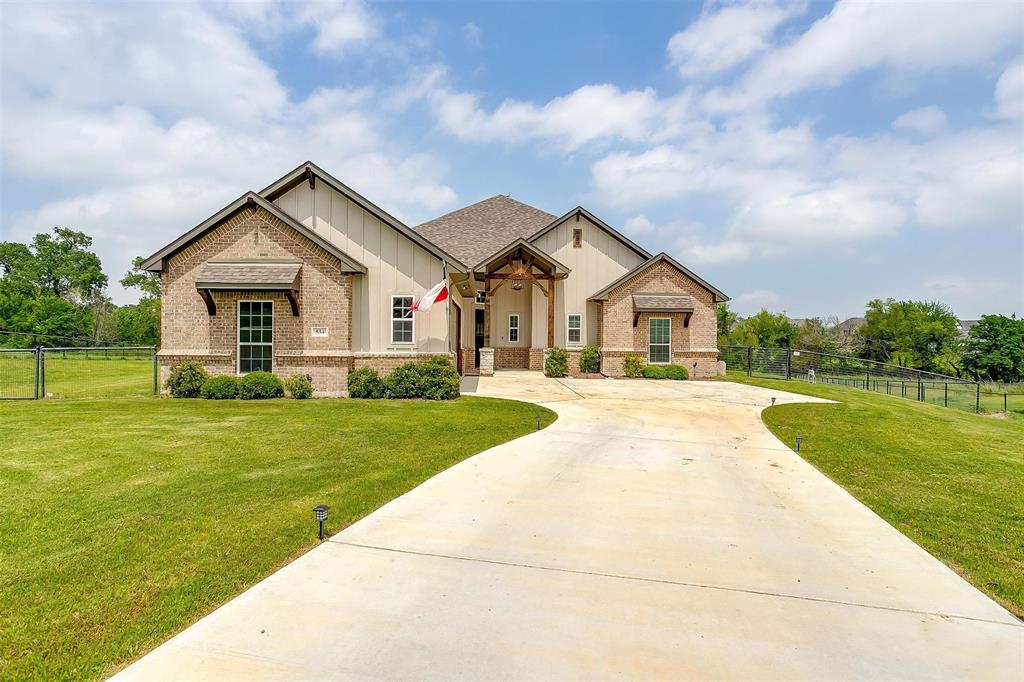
656,530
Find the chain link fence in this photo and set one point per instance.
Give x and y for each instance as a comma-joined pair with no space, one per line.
78,372
842,370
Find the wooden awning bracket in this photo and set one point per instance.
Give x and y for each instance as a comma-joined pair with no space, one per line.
636,318
293,300
211,305
686,319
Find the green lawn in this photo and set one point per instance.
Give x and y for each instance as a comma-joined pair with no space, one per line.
122,521
950,480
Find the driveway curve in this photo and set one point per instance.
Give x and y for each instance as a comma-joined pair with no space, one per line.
656,530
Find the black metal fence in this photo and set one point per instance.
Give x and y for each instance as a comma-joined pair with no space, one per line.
904,382
78,372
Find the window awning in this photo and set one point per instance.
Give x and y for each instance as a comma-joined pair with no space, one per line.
662,303
255,275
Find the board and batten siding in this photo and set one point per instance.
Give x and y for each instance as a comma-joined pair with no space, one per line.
395,265
599,261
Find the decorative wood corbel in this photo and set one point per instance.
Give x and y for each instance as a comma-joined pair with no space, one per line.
293,300
211,305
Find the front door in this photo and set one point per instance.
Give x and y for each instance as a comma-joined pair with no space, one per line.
478,333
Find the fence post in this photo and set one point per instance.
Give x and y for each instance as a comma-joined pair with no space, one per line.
789,363
945,394
42,372
1005,404
977,398
156,372
750,360
38,353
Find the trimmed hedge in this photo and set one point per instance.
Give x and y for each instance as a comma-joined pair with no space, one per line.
556,364
438,379
187,379
365,383
220,388
676,372
299,387
260,386
403,382
632,365
590,360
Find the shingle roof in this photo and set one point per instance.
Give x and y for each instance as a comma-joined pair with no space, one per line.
662,303
254,274
477,231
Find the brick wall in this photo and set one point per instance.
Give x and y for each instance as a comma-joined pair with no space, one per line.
325,300
696,342
511,358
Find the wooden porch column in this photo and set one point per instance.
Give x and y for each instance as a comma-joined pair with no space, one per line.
551,313
487,312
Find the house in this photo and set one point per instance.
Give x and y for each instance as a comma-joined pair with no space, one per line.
309,277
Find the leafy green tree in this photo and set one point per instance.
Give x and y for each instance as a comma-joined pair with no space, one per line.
815,335
63,265
137,278
918,334
726,319
994,349
772,330
139,324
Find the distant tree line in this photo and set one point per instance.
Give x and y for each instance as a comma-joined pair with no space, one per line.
919,334
53,293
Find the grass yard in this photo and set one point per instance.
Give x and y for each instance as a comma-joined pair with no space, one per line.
952,481
122,521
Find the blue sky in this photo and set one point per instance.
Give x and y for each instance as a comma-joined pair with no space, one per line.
805,157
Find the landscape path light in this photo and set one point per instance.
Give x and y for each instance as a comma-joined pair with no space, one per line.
799,439
321,515
538,422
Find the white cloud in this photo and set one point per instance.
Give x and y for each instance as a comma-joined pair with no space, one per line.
929,120
638,224
339,24
589,114
728,37
859,35
973,293
731,251
472,33
1010,92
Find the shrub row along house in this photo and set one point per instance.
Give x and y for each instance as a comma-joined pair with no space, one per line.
309,277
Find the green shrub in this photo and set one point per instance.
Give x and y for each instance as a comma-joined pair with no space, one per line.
676,372
438,379
404,382
654,372
187,379
365,383
260,386
590,360
632,365
299,387
556,364
220,388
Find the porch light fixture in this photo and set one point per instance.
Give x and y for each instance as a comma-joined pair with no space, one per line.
517,284
799,439
321,515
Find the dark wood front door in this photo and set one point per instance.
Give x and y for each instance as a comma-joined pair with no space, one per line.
478,334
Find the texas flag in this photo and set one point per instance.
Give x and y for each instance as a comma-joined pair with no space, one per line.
438,293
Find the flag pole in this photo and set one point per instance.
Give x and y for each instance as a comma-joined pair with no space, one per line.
447,305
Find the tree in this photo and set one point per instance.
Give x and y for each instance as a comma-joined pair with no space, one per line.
994,349
919,334
726,319
63,265
139,324
772,330
814,335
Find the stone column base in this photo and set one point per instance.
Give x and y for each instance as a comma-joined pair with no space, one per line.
486,362
536,359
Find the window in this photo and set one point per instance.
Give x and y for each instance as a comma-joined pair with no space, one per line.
481,297
659,340
401,319
574,328
577,237
255,336
513,328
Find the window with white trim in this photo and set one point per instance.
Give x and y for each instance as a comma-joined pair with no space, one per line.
481,297
659,340
574,328
402,322
513,328
255,336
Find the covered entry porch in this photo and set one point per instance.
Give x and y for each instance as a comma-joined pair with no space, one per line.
515,311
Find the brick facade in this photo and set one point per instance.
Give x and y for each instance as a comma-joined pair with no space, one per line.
511,358
189,332
696,342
